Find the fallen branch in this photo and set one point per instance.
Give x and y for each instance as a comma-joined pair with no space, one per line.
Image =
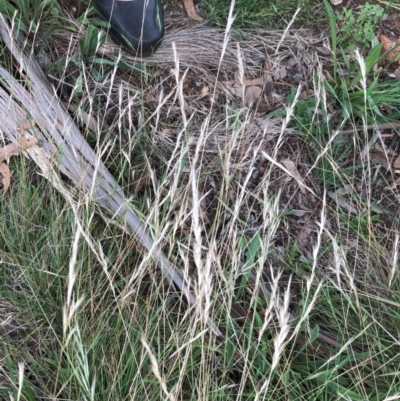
63,149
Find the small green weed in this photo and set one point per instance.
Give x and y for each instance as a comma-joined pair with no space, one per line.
357,95
361,222
32,15
359,92
358,30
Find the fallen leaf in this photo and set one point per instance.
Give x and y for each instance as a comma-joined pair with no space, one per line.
26,126
344,203
299,213
293,62
234,88
203,214
294,70
346,190
255,81
87,119
14,148
27,141
191,11
4,178
329,76
205,90
280,73
397,73
336,2
291,167
305,94
247,81
269,86
379,155
393,185
324,50
364,154
237,79
392,47
304,237
251,94
376,209
8,151
178,108
141,180
11,150
397,163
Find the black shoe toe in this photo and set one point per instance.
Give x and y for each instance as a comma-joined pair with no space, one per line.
136,24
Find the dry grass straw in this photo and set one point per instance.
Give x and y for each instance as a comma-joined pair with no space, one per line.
211,195
62,145
191,52
200,46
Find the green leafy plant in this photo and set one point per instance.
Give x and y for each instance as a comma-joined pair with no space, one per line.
361,222
358,30
32,15
362,94
358,91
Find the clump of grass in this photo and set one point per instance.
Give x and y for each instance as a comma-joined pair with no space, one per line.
358,27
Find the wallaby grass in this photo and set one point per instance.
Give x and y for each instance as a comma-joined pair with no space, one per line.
84,313
101,353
